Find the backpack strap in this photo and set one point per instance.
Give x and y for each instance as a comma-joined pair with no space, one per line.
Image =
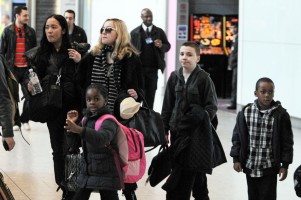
103,118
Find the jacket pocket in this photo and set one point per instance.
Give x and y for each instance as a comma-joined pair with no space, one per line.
101,163
193,95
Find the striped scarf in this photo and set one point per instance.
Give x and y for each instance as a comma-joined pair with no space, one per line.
107,74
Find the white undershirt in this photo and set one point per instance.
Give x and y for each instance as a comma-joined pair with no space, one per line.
186,76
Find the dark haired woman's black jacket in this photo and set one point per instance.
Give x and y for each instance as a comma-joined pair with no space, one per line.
50,65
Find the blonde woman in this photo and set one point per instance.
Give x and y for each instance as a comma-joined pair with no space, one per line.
114,62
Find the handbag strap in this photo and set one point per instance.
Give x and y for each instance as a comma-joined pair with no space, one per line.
58,80
143,99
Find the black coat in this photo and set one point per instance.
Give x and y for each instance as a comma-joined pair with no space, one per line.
45,67
282,139
6,103
187,111
157,33
131,75
198,92
78,35
8,42
98,169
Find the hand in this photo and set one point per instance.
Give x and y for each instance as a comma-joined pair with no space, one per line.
133,93
237,167
72,115
282,174
10,142
158,43
73,54
29,86
71,127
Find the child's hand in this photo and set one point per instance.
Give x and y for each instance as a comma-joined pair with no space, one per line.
72,127
237,167
72,115
282,174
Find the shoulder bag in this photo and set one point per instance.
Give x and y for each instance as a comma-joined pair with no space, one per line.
150,124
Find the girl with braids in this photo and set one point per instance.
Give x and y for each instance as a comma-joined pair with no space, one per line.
55,54
98,170
114,62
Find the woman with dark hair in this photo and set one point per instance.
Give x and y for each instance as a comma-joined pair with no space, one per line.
114,62
54,55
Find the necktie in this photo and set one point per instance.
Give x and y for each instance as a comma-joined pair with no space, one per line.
147,32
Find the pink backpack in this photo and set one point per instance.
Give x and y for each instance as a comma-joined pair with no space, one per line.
130,158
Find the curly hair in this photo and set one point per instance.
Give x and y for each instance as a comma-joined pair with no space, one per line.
100,88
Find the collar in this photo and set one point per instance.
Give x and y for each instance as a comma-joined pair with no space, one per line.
16,28
149,27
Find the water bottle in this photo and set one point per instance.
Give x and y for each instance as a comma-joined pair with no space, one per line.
35,82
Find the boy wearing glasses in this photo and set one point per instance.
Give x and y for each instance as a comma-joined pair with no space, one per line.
16,39
263,142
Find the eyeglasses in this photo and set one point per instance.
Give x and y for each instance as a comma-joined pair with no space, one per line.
20,32
107,29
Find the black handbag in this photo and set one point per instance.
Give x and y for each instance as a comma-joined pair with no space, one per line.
46,105
160,166
150,124
72,169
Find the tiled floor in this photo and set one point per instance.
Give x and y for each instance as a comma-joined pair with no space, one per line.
28,170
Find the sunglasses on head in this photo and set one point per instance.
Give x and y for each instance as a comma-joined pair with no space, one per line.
107,30
20,32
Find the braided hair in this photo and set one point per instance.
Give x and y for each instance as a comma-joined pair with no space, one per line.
100,88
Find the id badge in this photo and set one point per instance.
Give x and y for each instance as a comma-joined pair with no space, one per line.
149,40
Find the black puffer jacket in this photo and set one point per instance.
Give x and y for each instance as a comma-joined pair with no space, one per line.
8,42
282,138
98,169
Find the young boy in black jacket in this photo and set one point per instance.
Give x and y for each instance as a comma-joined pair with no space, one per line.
263,142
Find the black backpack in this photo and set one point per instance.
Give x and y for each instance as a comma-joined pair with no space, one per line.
297,181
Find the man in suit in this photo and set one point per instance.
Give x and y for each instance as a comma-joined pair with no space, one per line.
152,42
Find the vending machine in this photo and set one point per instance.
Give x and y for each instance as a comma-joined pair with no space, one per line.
214,34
